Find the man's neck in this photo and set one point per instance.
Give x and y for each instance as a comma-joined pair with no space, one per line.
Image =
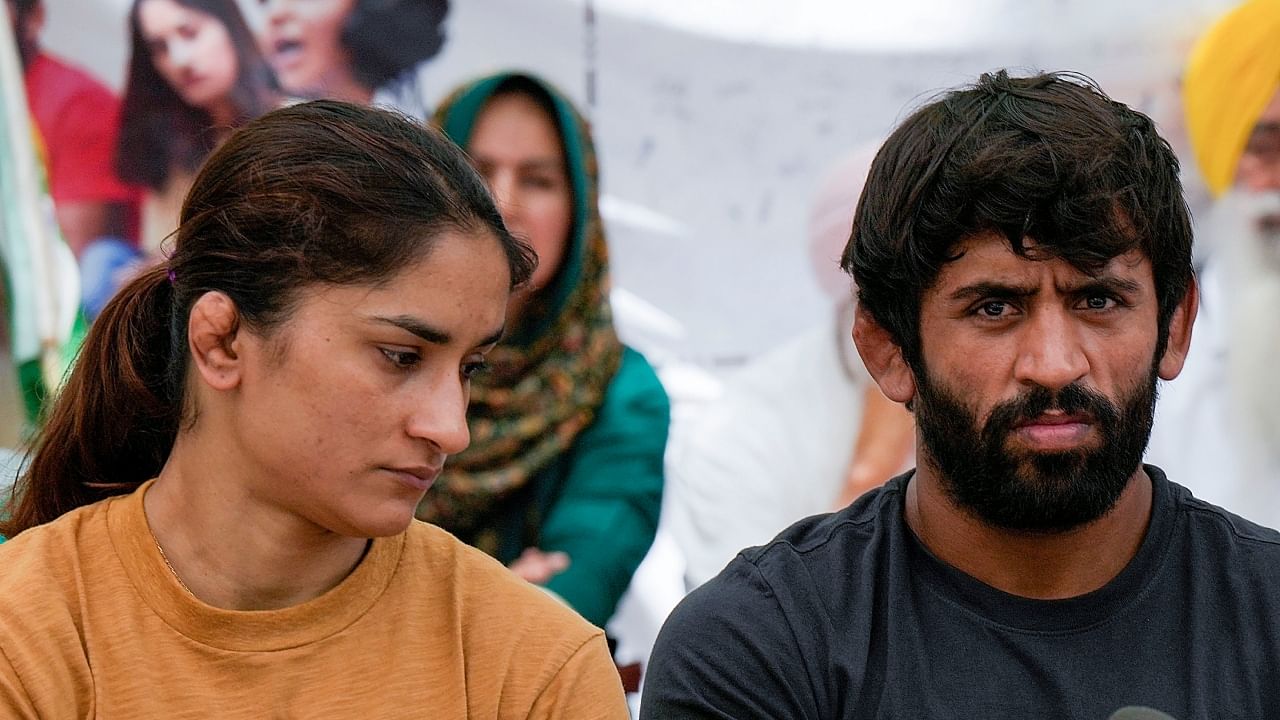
1039,566
234,550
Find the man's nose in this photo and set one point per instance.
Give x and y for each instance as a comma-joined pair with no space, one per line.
1050,353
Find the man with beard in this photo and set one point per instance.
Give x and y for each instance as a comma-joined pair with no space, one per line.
1220,423
1022,253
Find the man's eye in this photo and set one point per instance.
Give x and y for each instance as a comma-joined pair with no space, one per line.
993,308
401,358
1098,302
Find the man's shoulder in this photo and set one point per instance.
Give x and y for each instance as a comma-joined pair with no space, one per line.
759,639
1214,525
838,540
802,570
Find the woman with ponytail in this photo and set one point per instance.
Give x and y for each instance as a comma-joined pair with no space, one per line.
218,519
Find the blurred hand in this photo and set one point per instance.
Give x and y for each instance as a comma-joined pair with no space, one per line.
539,567
858,480
884,445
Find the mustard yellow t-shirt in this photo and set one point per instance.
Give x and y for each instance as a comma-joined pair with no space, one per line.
93,625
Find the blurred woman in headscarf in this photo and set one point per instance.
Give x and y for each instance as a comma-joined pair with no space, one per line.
563,479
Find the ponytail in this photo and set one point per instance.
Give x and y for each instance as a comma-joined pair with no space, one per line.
116,418
315,193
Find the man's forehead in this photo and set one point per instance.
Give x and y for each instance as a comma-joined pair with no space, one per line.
988,258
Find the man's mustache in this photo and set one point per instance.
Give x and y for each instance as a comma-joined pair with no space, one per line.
1074,399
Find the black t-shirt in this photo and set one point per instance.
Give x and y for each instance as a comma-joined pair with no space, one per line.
849,616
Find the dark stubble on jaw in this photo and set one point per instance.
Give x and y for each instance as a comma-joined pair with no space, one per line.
1028,491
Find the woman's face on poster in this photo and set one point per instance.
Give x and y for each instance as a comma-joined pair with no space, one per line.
303,43
191,50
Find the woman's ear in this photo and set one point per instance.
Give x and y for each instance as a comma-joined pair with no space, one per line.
1179,342
213,339
883,358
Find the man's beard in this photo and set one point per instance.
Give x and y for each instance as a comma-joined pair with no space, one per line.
1027,491
1245,229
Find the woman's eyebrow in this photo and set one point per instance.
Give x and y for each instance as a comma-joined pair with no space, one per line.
431,334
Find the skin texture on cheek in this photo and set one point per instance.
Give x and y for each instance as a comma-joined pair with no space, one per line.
336,406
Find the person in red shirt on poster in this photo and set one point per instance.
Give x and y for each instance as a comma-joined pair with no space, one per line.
77,118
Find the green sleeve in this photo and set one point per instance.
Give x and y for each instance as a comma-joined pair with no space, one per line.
607,510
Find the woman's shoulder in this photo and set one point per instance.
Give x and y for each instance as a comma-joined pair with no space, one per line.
42,590
489,593
513,635
50,555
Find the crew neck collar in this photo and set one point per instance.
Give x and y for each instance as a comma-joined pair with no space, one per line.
240,630
1049,616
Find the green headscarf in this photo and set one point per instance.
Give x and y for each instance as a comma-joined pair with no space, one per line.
546,383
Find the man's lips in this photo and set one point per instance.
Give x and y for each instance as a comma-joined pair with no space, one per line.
1056,419
1054,431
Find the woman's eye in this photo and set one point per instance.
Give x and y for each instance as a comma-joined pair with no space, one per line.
540,183
471,369
400,358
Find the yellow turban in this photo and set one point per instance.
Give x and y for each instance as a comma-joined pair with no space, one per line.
1233,73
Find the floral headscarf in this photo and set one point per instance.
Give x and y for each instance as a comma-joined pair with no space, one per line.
546,383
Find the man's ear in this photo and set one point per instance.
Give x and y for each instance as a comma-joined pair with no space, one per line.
883,358
1179,342
213,338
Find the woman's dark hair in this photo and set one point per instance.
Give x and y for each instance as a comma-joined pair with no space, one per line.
384,38
1048,158
22,9
318,193
158,130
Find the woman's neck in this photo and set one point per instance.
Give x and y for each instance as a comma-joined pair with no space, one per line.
232,548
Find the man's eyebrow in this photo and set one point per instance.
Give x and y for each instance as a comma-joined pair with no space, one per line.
1121,286
432,335
991,288
1007,290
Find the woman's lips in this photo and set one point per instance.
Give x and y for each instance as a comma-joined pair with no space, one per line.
286,53
419,477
